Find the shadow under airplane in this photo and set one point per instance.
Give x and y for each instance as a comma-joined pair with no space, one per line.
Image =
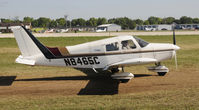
97,85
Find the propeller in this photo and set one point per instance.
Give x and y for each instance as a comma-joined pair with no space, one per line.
174,42
174,36
176,62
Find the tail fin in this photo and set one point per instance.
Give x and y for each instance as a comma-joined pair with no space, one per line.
28,44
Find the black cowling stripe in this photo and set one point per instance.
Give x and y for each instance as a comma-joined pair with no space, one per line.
43,49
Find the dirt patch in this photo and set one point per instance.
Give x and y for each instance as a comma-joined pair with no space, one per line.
69,85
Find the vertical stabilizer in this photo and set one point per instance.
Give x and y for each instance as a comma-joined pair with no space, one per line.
28,44
25,43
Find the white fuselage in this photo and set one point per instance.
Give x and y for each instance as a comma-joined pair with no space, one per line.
106,54
160,52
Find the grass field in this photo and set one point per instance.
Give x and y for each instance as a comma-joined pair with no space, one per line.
179,89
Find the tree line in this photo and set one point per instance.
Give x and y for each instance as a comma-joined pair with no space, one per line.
125,22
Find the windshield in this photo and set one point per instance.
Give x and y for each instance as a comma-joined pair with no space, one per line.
141,42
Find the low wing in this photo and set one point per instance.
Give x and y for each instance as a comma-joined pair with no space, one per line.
135,61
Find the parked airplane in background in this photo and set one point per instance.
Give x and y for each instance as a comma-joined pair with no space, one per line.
111,54
101,29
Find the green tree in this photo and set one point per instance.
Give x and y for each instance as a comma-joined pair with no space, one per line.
16,19
35,23
177,21
101,21
146,22
61,22
196,20
6,20
111,21
78,22
132,24
43,22
186,20
154,20
53,24
28,19
92,22
139,22
168,20
74,22
124,22
81,22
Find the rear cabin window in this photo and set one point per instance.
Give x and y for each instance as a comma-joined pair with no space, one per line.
112,47
128,44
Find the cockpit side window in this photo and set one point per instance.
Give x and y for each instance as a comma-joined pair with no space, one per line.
112,46
141,42
128,44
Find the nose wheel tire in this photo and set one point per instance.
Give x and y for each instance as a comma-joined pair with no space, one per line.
162,73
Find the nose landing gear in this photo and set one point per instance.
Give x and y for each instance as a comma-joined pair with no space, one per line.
161,70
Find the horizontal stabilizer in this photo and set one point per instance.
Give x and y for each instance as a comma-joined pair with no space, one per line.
22,60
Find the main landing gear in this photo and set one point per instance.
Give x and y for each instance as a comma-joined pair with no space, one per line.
161,70
123,77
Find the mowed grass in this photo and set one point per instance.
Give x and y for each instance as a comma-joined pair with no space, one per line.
184,99
179,98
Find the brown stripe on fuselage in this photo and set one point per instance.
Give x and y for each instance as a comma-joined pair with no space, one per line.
63,51
112,53
55,51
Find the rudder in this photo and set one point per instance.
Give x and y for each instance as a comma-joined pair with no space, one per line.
28,44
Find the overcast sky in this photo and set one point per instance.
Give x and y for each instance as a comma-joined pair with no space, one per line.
134,9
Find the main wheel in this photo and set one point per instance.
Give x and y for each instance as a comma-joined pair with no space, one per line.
161,73
115,70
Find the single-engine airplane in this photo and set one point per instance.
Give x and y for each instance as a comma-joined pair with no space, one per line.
110,54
